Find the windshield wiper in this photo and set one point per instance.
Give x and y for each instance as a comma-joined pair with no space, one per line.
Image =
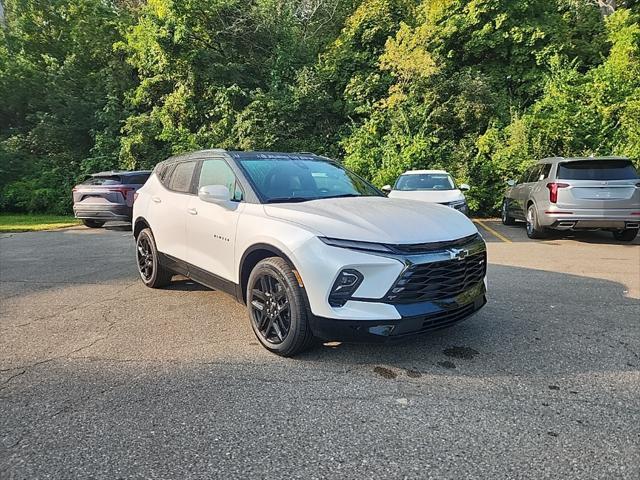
345,195
290,199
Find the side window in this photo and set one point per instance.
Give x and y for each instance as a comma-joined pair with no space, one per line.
181,177
217,172
164,173
533,174
546,169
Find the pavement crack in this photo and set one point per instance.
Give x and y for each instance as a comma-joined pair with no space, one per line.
22,372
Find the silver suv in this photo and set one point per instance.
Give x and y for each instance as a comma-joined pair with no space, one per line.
595,193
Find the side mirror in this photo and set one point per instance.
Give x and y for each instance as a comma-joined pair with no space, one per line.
511,183
386,189
464,187
214,194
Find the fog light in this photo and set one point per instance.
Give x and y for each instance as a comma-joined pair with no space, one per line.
344,287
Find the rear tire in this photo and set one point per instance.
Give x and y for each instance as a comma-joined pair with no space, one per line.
534,230
627,235
152,273
277,308
93,223
506,218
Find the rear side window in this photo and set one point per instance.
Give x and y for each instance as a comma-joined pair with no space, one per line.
597,170
103,180
546,169
181,176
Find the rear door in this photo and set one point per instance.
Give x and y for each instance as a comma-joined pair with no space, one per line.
521,191
211,227
168,208
598,184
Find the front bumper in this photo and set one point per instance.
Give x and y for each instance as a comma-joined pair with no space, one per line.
420,318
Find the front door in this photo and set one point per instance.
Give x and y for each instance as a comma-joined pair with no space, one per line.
211,227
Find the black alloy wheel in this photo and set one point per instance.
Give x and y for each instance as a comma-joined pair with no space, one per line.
270,309
152,273
276,303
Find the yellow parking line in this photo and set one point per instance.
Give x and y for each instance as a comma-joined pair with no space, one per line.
492,231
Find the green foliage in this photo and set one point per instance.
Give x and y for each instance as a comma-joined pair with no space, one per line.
478,87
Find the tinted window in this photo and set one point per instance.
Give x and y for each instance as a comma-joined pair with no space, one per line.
289,179
426,181
180,180
217,172
103,180
164,173
532,174
546,169
138,179
597,170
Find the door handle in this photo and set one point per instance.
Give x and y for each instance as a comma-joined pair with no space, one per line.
156,199
192,211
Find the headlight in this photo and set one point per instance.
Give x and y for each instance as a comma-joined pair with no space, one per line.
366,246
344,287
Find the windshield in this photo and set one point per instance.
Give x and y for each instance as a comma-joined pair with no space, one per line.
597,170
425,181
297,180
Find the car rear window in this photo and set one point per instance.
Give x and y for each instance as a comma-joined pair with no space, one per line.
103,180
597,170
138,179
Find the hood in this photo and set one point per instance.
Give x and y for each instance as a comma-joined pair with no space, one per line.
436,196
376,219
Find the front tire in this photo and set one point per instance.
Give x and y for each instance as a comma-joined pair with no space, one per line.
277,308
534,230
506,218
627,235
93,223
152,273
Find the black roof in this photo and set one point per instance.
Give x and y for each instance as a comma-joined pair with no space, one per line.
254,155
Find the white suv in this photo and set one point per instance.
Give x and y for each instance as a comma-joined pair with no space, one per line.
435,186
313,250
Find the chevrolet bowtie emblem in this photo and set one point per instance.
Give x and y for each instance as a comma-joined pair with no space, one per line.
458,253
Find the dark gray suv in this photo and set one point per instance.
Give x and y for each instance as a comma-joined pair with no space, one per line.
107,196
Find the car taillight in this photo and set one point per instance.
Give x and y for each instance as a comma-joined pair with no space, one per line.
135,197
553,190
122,190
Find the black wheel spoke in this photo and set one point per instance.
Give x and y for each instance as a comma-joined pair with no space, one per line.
258,304
145,258
259,294
270,308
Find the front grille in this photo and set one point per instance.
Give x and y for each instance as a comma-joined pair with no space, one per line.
439,280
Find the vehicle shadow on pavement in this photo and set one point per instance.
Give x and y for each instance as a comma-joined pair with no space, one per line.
535,322
156,383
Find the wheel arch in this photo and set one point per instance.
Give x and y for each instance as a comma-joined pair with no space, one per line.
250,258
138,225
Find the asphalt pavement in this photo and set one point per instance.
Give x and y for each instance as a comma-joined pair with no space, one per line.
101,377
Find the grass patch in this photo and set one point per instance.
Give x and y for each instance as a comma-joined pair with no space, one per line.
16,222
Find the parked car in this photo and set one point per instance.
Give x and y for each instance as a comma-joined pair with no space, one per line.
596,193
107,196
313,250
435,186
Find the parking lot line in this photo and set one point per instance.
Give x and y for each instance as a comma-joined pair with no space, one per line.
492,231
